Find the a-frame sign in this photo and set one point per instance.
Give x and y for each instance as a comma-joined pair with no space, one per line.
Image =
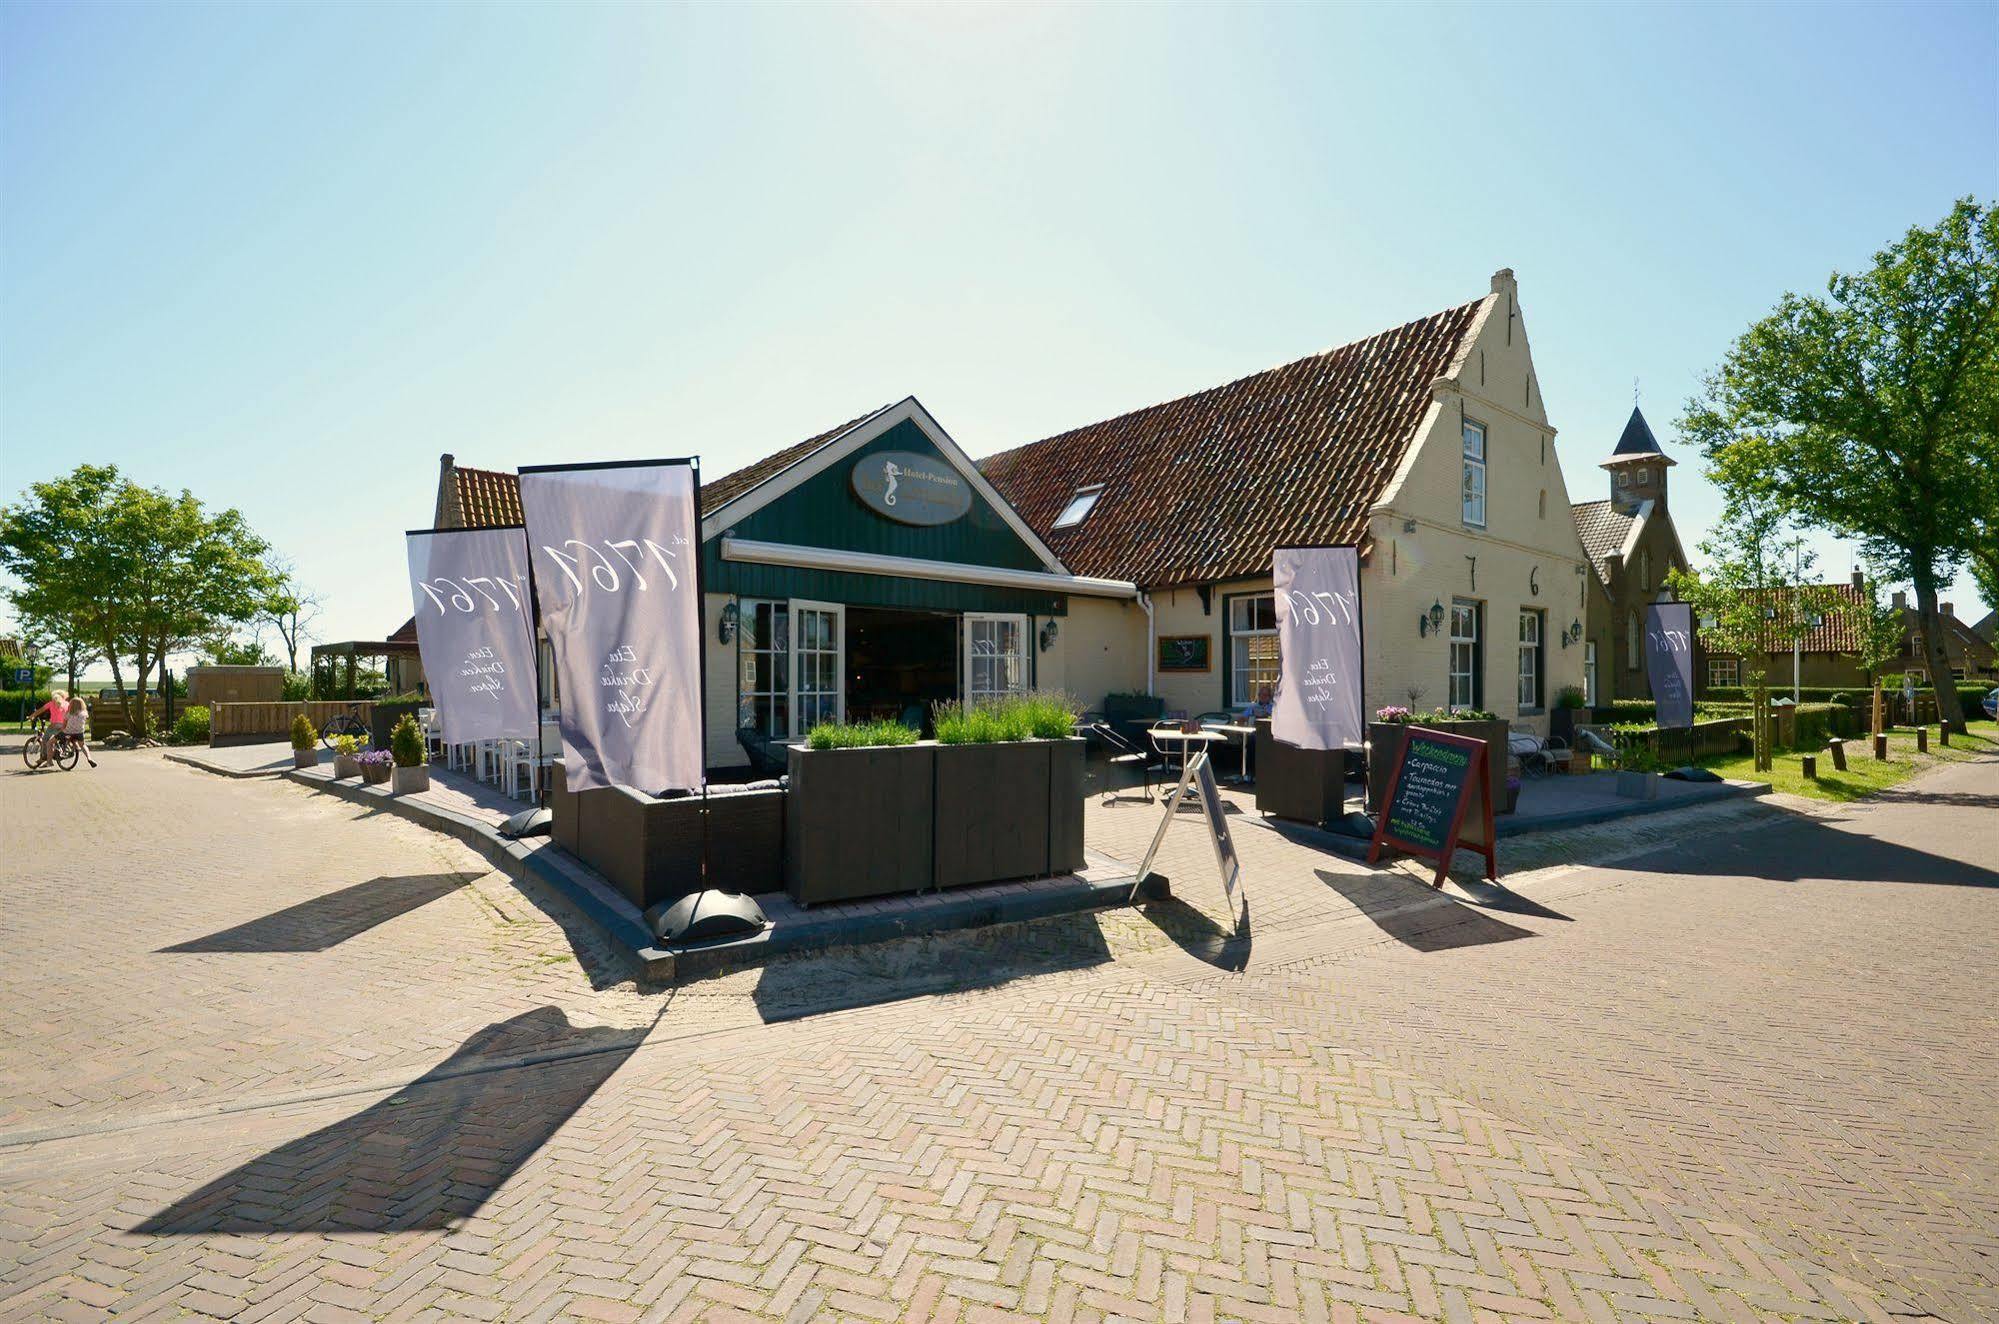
1437,801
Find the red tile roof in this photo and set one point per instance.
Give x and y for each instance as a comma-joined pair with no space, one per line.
1200,489
491,497
405,633
1839,631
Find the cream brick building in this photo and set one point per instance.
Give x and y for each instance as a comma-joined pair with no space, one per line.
1428,446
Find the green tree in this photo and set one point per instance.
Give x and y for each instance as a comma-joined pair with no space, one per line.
144,573
1754,598
1869,411
231,653
63,638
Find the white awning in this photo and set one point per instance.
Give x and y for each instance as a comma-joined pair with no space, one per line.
910,567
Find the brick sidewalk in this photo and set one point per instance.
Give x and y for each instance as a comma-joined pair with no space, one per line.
1578,1105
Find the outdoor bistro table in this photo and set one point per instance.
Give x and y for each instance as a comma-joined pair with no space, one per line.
1248,734
1187,739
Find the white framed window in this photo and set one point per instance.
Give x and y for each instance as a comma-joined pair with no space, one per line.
763,651
818,663
1957,673
1529,694
1252,647
1474,474
1589,674
1465,678
1623,478
995,655
1724,671
1079,506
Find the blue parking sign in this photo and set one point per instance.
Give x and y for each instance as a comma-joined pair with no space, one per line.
24,675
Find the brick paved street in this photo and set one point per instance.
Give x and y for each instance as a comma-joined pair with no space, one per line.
268,1056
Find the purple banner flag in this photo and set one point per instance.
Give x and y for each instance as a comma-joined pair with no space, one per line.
616,551
1669,661
1318,704
474,632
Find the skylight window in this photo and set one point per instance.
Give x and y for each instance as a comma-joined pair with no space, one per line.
1079,506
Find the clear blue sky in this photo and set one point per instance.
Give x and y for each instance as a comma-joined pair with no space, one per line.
286,256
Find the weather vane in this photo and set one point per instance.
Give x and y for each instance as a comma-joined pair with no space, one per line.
1634,393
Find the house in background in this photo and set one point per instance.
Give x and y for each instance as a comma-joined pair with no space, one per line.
1829,656
1427,446
1632,544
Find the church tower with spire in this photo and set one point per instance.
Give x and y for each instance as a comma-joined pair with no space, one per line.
1637,467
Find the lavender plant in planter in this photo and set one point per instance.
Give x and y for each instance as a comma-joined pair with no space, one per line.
376,765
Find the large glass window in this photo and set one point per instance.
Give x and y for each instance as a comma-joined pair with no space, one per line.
995,656
1474,474
1252,647
1724,671
1529,695
1465,654
764,647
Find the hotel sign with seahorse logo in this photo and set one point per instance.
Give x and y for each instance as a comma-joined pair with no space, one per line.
910,488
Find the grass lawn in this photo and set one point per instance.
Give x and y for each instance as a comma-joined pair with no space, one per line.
1863,776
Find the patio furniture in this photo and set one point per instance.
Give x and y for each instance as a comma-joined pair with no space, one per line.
1123,753
1130,714
1161,736
767,757
1305,785
1537,757
650,848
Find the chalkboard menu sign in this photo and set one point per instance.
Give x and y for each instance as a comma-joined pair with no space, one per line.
1436,801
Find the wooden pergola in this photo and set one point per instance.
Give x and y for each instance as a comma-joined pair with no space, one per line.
331,654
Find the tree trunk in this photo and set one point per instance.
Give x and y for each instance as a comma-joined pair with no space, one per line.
118,679
1949,712
1877,705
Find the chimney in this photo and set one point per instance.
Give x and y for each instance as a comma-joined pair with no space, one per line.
1503,282
1859,580
1901,600
1943,609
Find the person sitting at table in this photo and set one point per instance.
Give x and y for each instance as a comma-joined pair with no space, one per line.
1261,708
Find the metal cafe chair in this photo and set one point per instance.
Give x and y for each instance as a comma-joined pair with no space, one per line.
1125,754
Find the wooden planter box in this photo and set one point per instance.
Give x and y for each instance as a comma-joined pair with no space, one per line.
877,822
1012,810
1307,785
862,822
1385,742
650,849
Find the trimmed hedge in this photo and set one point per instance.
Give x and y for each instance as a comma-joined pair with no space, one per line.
1815,723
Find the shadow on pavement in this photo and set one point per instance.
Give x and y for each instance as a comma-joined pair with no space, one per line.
1493,896
426,1156
1419,917
1194,933
329,920
958,961
1814,850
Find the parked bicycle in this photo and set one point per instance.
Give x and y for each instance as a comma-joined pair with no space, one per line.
348,723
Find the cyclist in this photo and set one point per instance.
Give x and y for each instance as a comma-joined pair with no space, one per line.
76,727
53,713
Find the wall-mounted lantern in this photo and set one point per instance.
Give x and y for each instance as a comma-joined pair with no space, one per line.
726,631
1432,621
1048,633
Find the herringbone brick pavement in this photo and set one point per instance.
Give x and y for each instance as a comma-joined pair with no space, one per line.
1404,1106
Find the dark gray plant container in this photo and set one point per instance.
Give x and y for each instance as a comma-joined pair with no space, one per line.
1385,742
382,720
993,804
1305,785
860,822
1067,767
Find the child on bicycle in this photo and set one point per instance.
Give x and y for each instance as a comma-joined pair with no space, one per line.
76,726
53,714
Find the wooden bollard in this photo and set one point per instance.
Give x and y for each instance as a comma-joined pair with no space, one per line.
1837,748
1943,734
1881,746
1811,763
1922,740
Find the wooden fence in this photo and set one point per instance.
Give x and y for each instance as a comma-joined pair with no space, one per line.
243,723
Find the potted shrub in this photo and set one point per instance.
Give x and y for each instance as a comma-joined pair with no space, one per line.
1512,800
345,748
305,743
1391,725
375,764
406,745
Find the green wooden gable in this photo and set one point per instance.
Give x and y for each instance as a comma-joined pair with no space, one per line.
824,512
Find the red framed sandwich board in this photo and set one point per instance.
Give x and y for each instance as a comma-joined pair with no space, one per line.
1437,801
